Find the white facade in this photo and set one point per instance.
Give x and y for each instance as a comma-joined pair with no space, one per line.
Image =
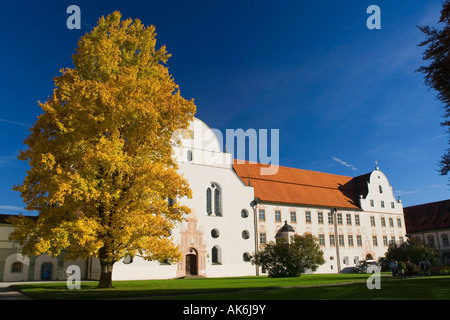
226,225
216,237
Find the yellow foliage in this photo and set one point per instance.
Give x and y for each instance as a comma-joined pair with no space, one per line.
101,169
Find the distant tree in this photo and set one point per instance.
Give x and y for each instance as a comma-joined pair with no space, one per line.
101,169
437,73
281,259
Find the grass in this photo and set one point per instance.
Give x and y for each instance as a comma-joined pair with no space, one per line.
311,287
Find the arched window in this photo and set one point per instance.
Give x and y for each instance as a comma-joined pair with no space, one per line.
208,201
214,190
217,199
216,255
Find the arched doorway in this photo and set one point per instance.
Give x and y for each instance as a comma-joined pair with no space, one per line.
46,271
369,256
191,262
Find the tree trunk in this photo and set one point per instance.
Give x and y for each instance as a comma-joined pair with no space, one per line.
106,267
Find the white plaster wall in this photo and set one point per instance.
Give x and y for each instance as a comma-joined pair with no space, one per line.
19,276
205,163
353,253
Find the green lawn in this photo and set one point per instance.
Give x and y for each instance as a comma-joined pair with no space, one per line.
316,286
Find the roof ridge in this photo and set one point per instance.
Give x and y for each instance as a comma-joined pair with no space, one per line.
289,182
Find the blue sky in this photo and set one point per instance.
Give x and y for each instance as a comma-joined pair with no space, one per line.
342,96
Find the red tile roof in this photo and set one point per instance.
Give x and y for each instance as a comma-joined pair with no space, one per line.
301,187
428,216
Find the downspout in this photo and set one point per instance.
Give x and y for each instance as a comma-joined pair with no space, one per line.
336,240
255,205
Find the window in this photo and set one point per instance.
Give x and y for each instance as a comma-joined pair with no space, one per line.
380,189
375,241
189,155
308,216
393,240
339,218
349,219
383,222
262,214
321,239
401,240
399,222
372,221
330,218
371,203
213,189
341,240
392,205
357,219
208,201
246,257
382,203
17,267
430,240
215,233
445,241
332,240
217,202
245,234
216,255
385,240
262,238
350,240
359,240
244,213
391,222
293,216
277,215
320,217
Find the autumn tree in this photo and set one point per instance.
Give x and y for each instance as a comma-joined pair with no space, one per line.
101,171
437,72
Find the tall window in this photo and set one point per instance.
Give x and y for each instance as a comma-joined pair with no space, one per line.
372,221
262,214
339,218
341,240
399,222
332,240
208,201
277,215
391,222
350,240
214,200
359,240
320,217
293,216
349,219
330,218
375,240
262,238
216,255
357,219
321,240
308,216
